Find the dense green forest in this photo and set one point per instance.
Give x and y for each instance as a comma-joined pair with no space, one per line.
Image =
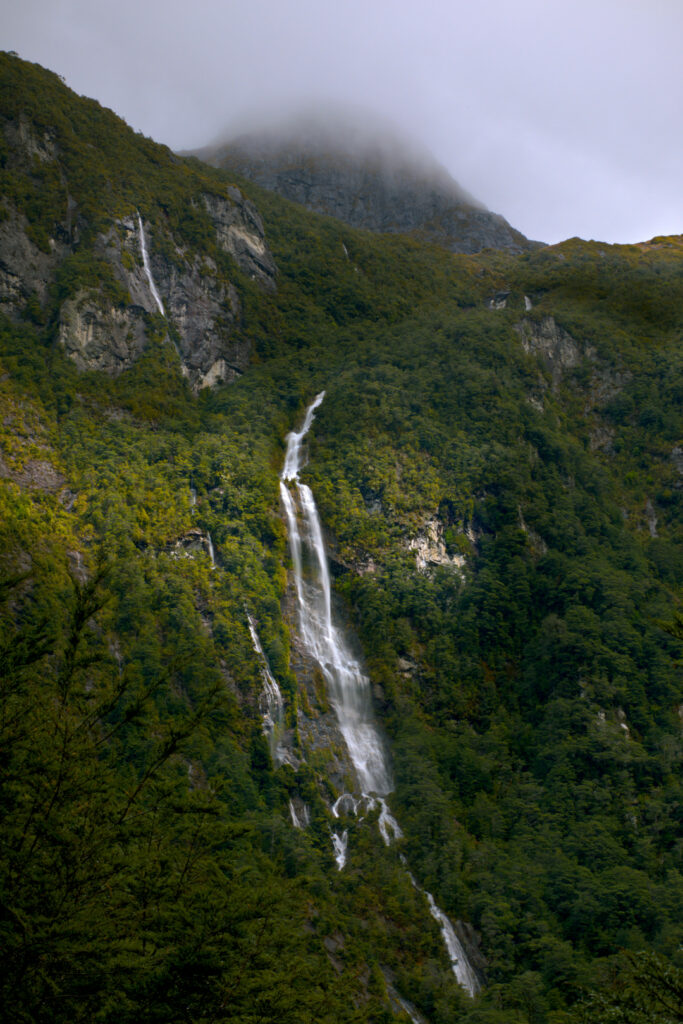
520,417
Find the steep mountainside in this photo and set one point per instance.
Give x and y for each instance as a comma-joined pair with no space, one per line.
367,179
451,583
206,240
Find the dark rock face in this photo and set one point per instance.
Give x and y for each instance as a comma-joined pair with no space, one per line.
24,269
378,185
239,231
201,304
100,336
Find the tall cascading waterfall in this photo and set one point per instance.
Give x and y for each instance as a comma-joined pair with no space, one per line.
348,686
147,268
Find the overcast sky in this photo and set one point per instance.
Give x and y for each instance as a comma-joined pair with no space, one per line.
566,116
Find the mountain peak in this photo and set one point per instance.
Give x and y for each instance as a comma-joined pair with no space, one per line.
359,168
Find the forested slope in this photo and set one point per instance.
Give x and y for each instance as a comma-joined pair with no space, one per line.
497,463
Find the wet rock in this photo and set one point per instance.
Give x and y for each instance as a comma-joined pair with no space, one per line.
334,947
299,813
470,940
77,566
536,542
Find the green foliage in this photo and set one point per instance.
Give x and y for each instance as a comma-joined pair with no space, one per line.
528,679
640,988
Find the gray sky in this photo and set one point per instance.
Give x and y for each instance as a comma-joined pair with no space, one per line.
566,116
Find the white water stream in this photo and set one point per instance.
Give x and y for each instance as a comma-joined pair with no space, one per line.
148,271
348,686
340,843
299,820
459,963
212,553
272,706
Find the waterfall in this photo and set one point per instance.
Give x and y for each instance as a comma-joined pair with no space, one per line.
302,820
340,842
348,687
459,962
212,553
272,705
148,271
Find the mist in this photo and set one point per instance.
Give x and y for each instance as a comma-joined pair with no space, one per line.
562,117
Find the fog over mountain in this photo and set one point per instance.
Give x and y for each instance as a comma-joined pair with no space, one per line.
348,164
353,130
560,117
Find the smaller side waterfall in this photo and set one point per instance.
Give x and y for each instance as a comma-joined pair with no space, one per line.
460,965
148,271
389,828
340,843
301,820
459,962
212,553
271,704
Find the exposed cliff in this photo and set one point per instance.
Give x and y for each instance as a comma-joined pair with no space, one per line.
71,238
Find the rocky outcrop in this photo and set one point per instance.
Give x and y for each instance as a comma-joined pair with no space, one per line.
35,474
556,347
499,300
100,336
240,232
373,181
25,270
104,327
430,548
27,143
195,541
202,308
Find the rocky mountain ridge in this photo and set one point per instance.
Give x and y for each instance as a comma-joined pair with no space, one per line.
367,179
